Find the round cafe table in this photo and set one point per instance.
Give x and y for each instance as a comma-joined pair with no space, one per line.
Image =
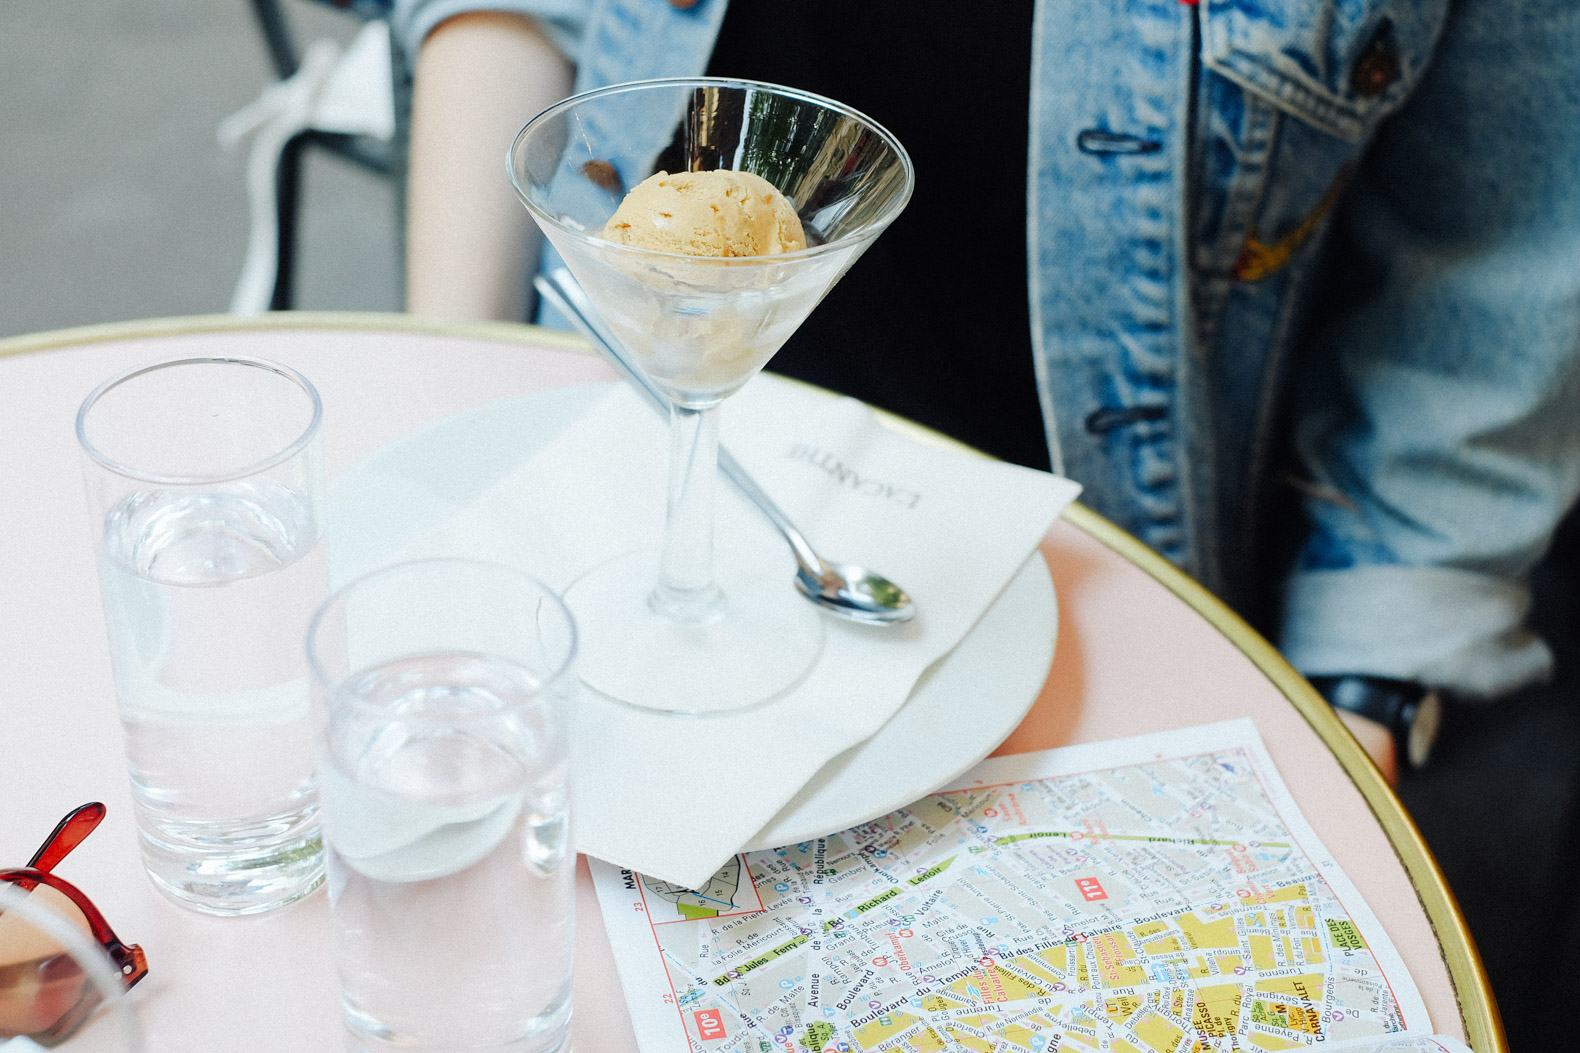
1140,648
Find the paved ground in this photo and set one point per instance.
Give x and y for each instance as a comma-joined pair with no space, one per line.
116,202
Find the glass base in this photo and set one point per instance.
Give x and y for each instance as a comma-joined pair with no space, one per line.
547,1032
763,639
234,869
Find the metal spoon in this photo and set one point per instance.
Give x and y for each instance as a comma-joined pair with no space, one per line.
845,589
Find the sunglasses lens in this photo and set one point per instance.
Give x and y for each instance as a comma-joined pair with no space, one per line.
44,992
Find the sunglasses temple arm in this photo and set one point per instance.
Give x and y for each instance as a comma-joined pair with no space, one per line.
67,835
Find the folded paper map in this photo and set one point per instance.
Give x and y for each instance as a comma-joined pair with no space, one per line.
1160,894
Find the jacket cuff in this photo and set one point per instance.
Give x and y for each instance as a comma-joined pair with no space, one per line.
563,20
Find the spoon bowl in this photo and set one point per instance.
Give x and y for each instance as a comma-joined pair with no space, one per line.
854,592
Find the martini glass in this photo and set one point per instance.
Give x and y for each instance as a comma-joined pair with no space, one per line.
674,628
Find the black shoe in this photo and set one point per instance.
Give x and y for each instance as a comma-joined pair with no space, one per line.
1411,713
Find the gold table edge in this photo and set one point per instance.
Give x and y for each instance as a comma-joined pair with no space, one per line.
191,325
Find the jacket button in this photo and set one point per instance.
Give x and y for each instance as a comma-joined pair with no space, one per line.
1378,66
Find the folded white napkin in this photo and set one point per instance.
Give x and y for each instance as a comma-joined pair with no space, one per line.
675,797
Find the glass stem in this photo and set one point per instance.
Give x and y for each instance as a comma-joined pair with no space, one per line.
686,591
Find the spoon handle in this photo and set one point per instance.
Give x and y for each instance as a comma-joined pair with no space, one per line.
559,288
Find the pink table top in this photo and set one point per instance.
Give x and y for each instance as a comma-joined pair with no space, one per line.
1140,649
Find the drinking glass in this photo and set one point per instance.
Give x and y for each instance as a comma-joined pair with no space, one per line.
671,628
205,482
444,692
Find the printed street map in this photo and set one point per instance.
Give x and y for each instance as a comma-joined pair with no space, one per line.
1160,894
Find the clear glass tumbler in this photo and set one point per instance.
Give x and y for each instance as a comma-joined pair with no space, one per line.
205,482
445,697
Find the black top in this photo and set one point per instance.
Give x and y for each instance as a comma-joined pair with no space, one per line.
932,322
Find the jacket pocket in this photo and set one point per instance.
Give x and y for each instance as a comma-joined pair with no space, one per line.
1338,65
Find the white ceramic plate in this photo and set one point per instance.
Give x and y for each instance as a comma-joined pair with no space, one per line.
958,714
963,707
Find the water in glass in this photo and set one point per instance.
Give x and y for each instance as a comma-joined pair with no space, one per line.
206,596
445,785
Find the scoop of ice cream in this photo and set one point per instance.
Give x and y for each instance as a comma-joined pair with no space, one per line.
718,213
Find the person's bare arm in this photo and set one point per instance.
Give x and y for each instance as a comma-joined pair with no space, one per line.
1376,741
469,242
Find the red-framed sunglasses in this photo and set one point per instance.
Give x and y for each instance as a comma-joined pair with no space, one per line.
44,994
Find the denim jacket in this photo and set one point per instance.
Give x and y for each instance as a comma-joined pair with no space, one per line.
1184,164
1175,213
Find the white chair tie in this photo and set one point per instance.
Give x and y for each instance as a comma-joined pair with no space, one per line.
350,92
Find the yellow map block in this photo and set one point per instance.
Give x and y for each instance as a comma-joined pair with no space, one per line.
1058,957
1167,945
992,985
1017,1034
969,988
1113,950
981,1045
1307,986
1171,1001
1292,894
1158,1033
1017,988
1302,1019
1345,935
1031,964
1273,1042
884,1028
1200,934
935,1003
1217,1011
1119,1009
